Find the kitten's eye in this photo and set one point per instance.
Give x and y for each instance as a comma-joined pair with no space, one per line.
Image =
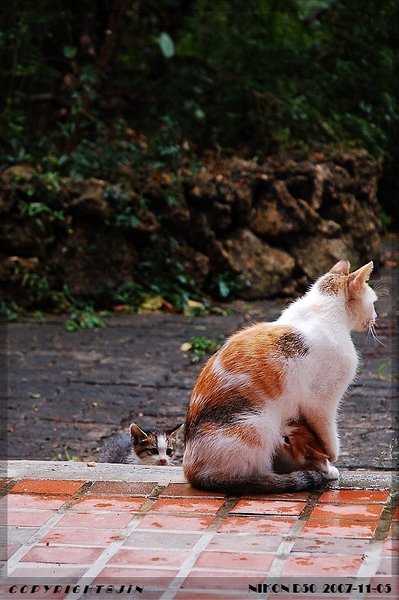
287,439
169,451
154,450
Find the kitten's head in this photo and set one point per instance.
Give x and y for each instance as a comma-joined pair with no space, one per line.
358,296
155,447
304,449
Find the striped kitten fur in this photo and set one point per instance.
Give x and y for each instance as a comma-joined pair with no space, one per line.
270,374
155,447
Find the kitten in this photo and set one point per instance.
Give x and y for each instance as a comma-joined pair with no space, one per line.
155,447
296,368
300,451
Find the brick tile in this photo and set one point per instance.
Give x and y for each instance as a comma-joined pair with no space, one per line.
20,535
26,519
256,525
342,529
331,545
47,486
184,505
148,558
140,577
184,490
36,502
101,504
284,496
395,515
64,574
62,555
391,547
393,530
235,561
120,488
268,507
160,539
79,537
233,542
327,565
363,512
95,520
173,522
354,496
388,567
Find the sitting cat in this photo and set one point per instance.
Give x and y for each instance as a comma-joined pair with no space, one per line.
155,447
301,451
294,369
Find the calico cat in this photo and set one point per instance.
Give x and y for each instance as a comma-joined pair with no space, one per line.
155,447
301,451
294,369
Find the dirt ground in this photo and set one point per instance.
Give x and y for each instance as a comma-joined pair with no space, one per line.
69,392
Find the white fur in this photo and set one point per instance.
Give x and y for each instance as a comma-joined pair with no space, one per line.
314,385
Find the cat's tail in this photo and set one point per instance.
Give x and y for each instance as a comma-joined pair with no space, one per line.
260,484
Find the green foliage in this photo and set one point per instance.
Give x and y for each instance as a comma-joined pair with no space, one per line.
388,459
251,77
9,310
44,294
226,285
201,345
85,319
158,273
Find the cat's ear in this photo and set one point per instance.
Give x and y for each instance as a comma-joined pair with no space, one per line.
176,430
357,279
137,434
341,268
313,454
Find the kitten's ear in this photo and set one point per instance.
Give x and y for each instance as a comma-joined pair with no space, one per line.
313,454
358,278
341,268
137,434
176,430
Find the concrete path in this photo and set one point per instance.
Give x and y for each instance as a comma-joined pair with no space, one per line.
69,392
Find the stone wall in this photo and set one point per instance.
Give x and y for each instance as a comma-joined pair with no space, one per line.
280,224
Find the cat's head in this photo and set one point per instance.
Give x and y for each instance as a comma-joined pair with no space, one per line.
354,291
154,447
304,448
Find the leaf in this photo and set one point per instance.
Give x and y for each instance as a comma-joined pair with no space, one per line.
152,302
186,346
166,44
70,51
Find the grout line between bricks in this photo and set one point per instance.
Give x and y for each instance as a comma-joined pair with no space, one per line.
14,560
373,554
284,550
98,565
203,542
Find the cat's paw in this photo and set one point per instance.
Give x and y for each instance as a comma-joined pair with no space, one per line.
332,472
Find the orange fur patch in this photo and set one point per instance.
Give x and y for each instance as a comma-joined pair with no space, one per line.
247,433
304,443
258,352
333,284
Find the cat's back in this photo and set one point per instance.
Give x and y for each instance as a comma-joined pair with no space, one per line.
117,450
